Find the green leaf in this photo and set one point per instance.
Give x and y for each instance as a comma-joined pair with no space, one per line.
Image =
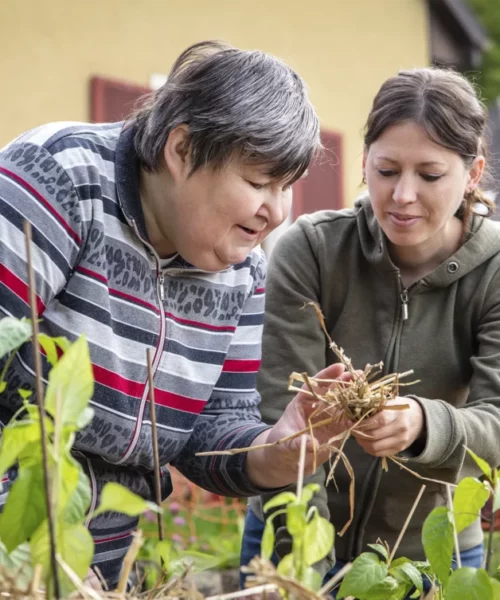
117,498
409,573
279,500
312,579
25,394
381,549
296,519
285,566
199,561
437,539
79,502
13,333
496,497
367,571
84,418
25,509
308,492
468,583
72,381
470,497
18,562
496,588
164,550
267,545
385,590
482,464
15,438
318,539
73,543
48,344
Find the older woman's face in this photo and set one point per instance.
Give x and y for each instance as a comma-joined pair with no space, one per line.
221,215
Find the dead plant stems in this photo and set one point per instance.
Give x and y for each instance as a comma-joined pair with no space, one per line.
41,410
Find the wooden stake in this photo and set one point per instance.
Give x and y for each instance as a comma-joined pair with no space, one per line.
41,410
406,523
154,435
455,534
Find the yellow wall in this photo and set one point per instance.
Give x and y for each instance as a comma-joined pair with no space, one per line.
343,48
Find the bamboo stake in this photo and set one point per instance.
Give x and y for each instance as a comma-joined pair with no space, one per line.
154,435
406,523
302,464
129,560
41,411
455,534
330,584
258,589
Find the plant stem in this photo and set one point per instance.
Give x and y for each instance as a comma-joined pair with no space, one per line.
491,531
406,523
329,585
302,463
41,411
455,534
258,589
154,435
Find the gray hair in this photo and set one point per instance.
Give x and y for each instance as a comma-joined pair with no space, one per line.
233,101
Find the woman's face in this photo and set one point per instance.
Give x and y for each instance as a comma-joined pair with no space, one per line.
416,186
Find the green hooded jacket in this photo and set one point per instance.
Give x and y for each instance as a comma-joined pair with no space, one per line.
451,340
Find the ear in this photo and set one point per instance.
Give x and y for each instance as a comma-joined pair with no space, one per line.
365,153
177,154
476,172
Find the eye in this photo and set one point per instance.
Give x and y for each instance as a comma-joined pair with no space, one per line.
430,178
387,172
257,186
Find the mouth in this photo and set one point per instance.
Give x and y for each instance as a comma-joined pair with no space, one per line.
253,233
403,219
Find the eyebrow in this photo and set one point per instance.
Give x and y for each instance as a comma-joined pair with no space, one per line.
426,163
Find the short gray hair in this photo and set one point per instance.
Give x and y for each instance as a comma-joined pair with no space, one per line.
233,101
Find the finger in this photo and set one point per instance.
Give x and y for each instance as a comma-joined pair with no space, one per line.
381,448
380,433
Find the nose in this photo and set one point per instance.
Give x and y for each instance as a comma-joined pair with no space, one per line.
405,190
278,208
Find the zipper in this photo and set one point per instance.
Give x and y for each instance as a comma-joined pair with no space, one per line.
374,472
160,293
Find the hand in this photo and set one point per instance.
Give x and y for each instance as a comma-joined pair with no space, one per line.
276,466
92,581
391,431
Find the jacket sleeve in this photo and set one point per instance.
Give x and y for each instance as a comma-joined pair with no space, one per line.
293,341
449,430
231,418
34,187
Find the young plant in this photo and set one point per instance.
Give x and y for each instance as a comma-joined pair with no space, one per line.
312,536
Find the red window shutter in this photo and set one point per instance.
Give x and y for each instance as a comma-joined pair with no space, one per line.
113,100
322,187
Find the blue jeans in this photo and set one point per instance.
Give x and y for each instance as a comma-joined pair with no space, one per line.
252,536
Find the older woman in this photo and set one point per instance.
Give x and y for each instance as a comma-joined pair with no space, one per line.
146,235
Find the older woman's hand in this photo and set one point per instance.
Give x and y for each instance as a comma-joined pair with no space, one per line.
276,466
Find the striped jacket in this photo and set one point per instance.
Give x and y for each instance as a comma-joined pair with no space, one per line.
97,274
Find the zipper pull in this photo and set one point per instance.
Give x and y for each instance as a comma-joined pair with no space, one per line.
162,286
404,304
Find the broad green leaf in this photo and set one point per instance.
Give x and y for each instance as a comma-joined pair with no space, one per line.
437,539
267,545
13,333
481,463
18,562
318,539
296,519
25,508
84,418
25,394
367,571
409,573
381,549
79,502
308,492
164,551
72,380
496,498
74,545
15,438
470,497
496,588
385,590
3,385
468,583
199,561
279,500
117,498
